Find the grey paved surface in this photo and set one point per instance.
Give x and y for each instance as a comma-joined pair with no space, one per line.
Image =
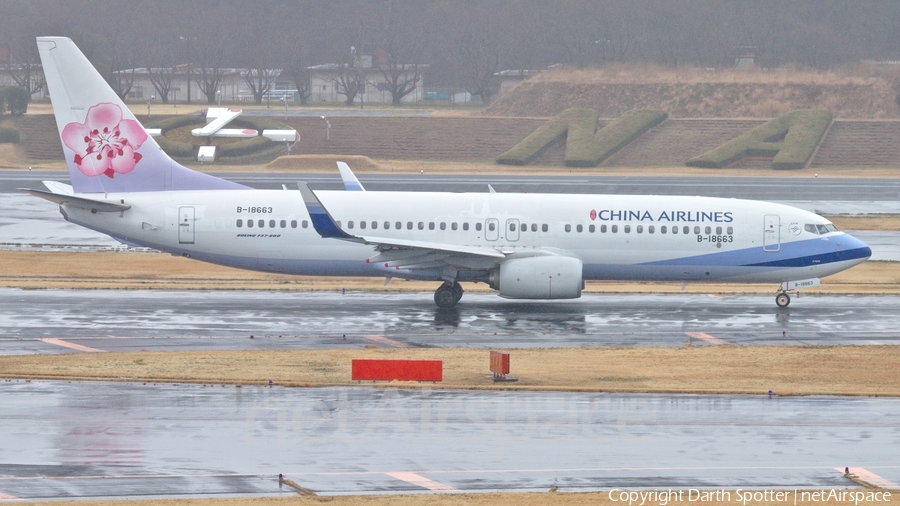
158,320
758,188
77,440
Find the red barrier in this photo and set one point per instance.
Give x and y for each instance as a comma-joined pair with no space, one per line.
404,370
499,362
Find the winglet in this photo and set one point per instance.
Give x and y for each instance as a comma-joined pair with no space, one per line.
350,181
322,221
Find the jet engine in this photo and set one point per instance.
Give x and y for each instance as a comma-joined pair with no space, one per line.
541,277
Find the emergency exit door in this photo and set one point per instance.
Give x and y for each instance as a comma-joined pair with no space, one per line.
771,233
186,225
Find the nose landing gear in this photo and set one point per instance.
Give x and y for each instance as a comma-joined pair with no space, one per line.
447,295
782,299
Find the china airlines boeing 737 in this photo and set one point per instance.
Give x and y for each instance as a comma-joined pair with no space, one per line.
526,246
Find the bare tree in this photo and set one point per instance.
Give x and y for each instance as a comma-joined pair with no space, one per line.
401,42
296,68
260,80
19,25
350,72
482,45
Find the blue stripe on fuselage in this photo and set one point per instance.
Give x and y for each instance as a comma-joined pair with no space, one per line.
810,252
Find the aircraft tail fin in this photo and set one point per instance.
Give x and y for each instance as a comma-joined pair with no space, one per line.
106,148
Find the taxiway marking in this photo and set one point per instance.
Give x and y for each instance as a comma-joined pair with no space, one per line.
870,477
706,337
67,344
419,481
389,342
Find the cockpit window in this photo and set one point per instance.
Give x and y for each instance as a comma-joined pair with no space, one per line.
820,229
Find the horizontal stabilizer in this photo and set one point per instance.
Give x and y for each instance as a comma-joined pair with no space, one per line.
99,206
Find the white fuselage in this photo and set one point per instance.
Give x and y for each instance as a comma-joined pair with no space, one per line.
614,236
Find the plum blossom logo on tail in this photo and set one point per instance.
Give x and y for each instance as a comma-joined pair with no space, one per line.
105,143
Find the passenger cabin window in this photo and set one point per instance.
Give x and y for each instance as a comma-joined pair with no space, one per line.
409,225
707,230
261,223
545,227
602,229
387,225
696,230
453,226
627,229
239,223
591,228
443,226
615,228
283,223
478,226
271,223
650,229
466,226
568,227
350,224
662,229
492,226
640,229
523,228
430,225
534,227
579,229
399,225
362,225
421,226
730,230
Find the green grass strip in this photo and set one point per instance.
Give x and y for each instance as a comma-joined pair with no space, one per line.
585,145
790,139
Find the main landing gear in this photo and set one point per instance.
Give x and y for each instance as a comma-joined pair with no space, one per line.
782,299
447,295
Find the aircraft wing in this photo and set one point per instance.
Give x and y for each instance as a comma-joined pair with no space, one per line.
351,183
398,252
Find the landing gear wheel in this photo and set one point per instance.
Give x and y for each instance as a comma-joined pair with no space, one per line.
782,299
458,291
445,296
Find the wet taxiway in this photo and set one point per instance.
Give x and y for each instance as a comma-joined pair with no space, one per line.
114,320
78,440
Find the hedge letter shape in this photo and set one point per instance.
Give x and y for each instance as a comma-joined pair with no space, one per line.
790,139
584,147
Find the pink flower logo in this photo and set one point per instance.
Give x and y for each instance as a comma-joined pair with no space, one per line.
105,143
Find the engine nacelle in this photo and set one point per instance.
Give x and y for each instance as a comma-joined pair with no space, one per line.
543,277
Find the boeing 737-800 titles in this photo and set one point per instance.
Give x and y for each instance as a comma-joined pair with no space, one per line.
526,246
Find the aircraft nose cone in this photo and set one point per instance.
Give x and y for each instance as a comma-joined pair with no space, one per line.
856,248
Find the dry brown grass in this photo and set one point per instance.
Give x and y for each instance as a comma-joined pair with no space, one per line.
863,91
487,499
139,270
787,370
881,223
633,74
